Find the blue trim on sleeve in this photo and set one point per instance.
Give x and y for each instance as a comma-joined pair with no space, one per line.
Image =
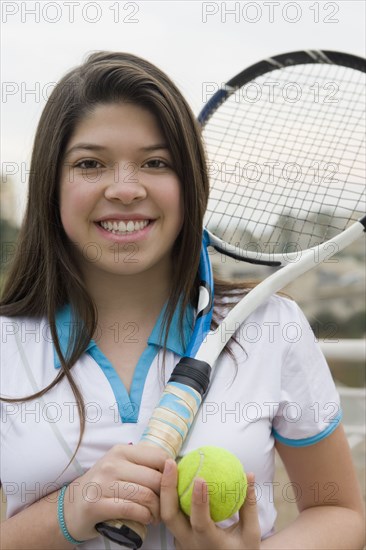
309,440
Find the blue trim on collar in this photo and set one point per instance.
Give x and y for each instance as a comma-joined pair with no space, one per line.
128,405
174,342
64,325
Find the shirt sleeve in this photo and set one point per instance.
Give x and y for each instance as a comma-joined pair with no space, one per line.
309,408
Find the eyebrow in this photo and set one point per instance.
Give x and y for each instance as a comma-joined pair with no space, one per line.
94,147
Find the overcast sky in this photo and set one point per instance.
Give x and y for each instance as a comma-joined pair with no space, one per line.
194,42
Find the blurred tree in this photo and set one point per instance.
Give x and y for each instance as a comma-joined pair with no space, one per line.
8,238
8,228
328,326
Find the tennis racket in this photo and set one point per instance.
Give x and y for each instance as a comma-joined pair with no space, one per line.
285,147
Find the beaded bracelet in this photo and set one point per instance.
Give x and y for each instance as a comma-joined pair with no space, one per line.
61,519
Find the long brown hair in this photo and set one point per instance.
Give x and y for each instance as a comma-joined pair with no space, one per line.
44,276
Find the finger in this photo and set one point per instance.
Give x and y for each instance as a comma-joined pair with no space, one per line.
130,472
127,491
248,513
138,454
154,458
170,511
142,475
201,521
125,509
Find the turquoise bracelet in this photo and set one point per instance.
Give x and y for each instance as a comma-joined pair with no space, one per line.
61,519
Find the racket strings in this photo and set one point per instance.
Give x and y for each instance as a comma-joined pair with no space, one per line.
327,123
300,118
288,170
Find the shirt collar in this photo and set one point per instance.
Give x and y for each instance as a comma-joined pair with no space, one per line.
65,323
174,342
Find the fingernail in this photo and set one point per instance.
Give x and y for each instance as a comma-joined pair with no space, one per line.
168,466
251,479
199,487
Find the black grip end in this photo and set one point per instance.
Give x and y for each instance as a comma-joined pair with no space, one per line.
192,373
122,535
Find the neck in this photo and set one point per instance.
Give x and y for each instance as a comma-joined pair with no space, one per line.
129,296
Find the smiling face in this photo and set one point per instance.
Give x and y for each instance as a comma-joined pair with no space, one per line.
120,198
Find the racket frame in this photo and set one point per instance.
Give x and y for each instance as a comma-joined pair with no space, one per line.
301,57
215,341
248,75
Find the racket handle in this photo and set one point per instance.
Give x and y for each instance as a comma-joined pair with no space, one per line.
127,532
167,429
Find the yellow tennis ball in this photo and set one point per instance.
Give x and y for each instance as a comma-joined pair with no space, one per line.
224,475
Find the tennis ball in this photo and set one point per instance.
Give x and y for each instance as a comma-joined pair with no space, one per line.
224,475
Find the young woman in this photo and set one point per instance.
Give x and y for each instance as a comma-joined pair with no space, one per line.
97,310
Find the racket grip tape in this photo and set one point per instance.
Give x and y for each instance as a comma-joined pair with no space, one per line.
167,429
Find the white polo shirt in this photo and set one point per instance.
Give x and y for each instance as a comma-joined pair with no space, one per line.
280,388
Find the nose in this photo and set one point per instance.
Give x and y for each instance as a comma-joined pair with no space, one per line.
126,186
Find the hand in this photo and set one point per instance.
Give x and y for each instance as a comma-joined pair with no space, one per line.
124,483
199,531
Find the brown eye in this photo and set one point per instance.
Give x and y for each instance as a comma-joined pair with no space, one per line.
155,163
88,164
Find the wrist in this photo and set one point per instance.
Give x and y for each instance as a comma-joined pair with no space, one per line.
61,517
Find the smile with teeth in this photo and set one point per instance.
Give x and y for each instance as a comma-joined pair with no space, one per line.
124,227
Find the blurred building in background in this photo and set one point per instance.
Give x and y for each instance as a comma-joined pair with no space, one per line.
332,295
